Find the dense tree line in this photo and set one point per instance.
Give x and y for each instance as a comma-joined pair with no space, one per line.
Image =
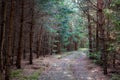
29,29
103,30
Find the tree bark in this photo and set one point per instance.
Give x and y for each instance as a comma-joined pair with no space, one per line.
101,21
31,32
89,31
97,34
31,40
18,61
3,31
10,38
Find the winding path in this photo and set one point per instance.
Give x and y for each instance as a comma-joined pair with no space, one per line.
75,66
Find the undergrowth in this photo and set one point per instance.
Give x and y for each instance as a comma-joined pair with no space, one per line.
96,57
18,75
115,77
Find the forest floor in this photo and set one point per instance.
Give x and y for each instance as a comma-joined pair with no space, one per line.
74,66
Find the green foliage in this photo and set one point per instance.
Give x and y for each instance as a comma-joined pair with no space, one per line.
63,21
19,75
108,13
115,14
96,57
34,76
112,47
115,77
116,2
15,73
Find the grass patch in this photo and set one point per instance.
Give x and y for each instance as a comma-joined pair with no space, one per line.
115,77
33,76
83,49
16,73
96,57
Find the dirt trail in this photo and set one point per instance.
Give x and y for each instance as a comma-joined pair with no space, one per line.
75,66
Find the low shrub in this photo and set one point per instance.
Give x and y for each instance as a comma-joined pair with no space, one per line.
96,57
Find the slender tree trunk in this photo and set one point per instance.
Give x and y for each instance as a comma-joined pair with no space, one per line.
39,41
97,34
31,54
76,46
13,47
10,38
24,50
31,40
3,37
58,43
31,33
101,20
114,60
18,61
37,47
89,33
3,31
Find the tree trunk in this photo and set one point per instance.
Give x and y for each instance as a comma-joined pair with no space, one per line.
76,46
3,31
89,32
31,40
18,61
31,33
24,50
101,21
10,38
97,34
37,47
114,60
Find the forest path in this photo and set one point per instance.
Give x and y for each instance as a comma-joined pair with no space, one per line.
75,66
